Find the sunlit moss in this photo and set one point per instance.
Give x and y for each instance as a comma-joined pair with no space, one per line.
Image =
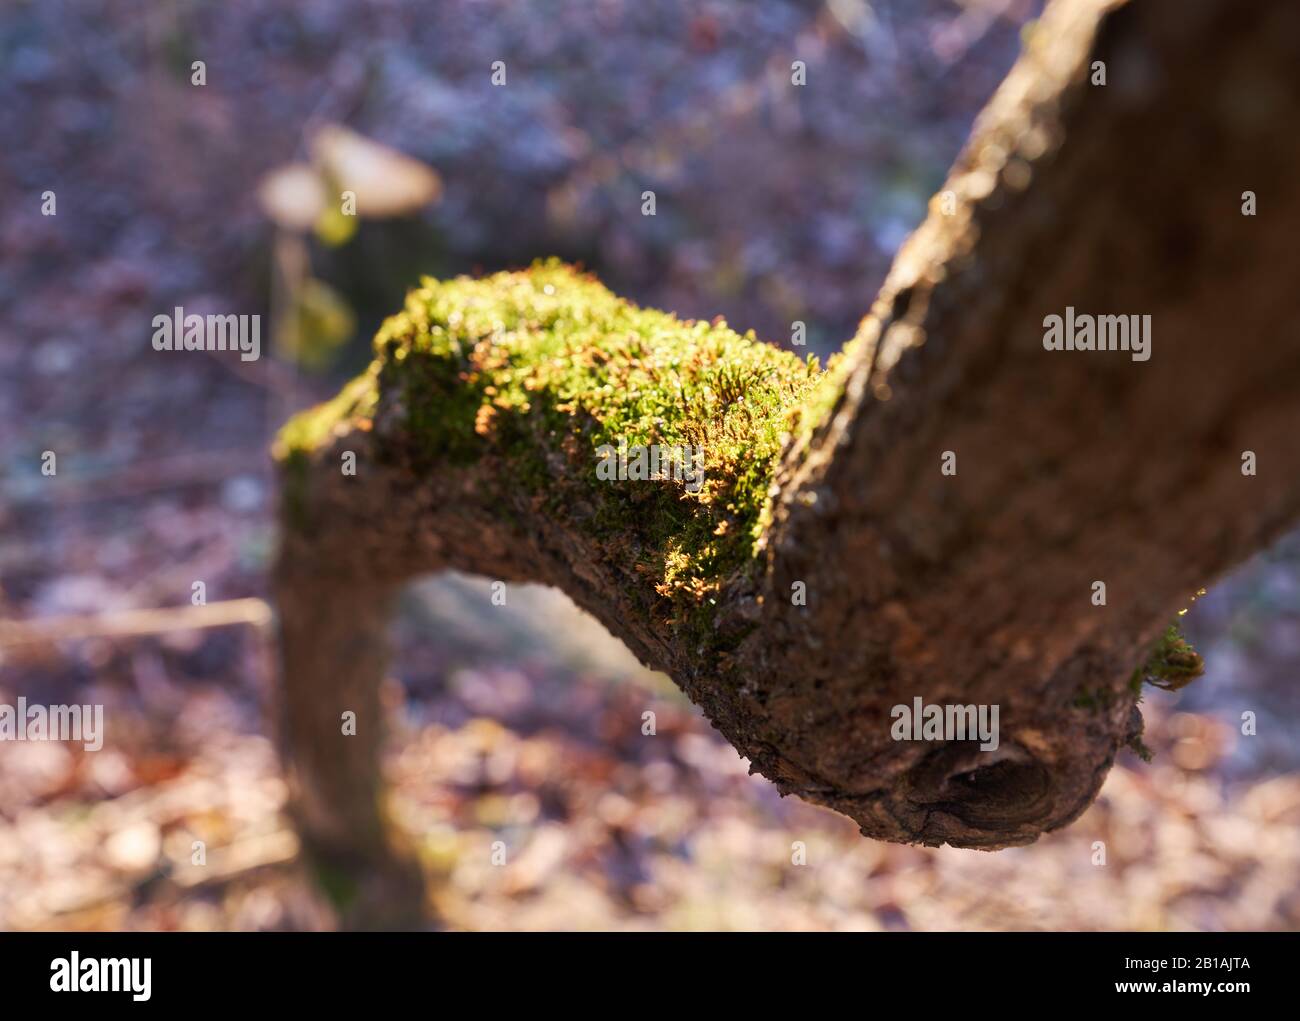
1172,663
311,428
538,369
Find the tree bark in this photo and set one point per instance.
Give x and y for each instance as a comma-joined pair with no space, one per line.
1072,467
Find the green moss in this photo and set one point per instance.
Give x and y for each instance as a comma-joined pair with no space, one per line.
1092,699
1139,747
310,429
1171,664
538,369
338,885
307,432
294,477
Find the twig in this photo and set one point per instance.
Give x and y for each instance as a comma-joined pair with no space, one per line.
136,622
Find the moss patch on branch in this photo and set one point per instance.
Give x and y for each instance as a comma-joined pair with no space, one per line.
538,369
1172,663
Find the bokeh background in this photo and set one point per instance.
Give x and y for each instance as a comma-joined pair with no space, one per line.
520,724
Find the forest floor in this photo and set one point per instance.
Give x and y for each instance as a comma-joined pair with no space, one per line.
541,746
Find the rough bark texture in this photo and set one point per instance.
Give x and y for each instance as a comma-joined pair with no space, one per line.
974,588
1073,466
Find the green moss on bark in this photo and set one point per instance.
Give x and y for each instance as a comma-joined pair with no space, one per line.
538,369
1172,663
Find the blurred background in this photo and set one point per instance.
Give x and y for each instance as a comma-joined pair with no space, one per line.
524,725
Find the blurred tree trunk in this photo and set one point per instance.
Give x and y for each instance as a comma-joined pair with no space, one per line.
333,654
971,588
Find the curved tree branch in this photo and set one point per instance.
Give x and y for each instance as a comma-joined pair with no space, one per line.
475,434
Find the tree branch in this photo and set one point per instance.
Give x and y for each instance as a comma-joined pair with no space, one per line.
477,429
